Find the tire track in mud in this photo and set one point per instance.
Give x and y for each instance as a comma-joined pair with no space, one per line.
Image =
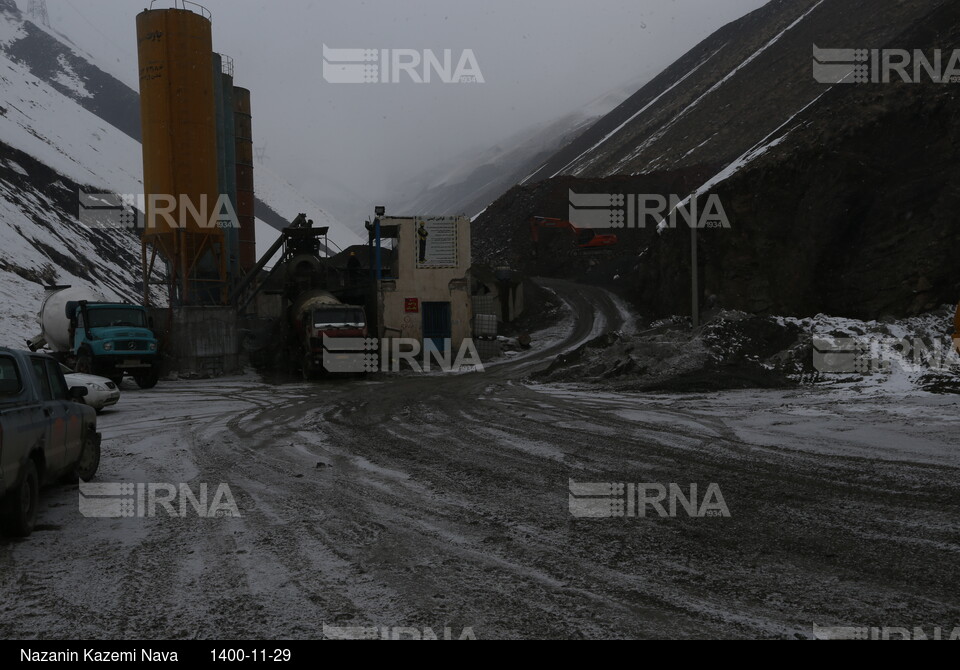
779,491
432,501
185,579
395,429
802,480
318,569
149,590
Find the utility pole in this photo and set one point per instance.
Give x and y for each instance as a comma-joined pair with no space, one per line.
261,154
38,12
694,278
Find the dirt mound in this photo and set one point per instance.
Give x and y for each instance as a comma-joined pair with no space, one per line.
736,350
733,350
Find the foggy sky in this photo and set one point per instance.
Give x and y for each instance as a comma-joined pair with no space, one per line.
540,59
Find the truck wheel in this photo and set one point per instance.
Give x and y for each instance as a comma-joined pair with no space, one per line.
89,461
84,364
147,381
305,370
20,514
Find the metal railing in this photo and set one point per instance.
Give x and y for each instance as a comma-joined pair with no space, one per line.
204,12
227,65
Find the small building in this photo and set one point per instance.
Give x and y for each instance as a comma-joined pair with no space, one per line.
423,281
497,291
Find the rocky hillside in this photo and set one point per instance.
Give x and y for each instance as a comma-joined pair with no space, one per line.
839,197
51,147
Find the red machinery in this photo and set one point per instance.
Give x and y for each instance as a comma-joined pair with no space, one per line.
584,238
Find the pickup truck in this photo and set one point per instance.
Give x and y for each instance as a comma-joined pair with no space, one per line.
46,435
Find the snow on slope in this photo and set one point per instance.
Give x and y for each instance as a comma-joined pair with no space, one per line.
469,182
18,314
11,29
58,132
286,201
41,240
704,110
630,119
90,41
717,86
41,244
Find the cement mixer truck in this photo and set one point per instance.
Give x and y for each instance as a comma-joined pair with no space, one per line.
316,314
94,336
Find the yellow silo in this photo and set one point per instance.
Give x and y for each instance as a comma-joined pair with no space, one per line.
180,181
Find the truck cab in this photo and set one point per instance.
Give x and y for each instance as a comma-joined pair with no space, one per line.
339,321
320,320
111,339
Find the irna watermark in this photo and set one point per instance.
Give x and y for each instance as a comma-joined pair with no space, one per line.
885,633
619,210
370,354
882,66
395,633
393,66
597,500
153,211
870,354
119,500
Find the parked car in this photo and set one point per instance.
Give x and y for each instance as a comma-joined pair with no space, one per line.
101,392
45,435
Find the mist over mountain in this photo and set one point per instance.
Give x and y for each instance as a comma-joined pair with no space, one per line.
840,197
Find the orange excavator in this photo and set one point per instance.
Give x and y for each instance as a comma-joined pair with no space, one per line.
585,239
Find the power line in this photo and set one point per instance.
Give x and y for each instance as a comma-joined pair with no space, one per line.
107,38
38,11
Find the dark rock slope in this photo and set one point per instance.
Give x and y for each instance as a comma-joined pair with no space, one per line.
841,198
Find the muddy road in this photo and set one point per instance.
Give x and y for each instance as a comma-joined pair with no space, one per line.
432,501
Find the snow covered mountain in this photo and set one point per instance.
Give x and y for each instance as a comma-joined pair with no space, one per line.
50,147
66,125
472,181
840,197
747,85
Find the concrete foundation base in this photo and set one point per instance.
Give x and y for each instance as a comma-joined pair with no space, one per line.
198,341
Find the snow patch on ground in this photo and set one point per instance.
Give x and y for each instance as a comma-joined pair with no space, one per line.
542,339
735,350
895,357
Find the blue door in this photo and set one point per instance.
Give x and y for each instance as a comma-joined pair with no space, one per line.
437,325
